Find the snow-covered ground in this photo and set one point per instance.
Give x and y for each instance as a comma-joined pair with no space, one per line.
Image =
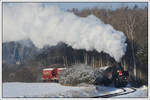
16,89
140,92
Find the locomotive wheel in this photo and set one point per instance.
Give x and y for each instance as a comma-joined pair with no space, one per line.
44,80
107,82
117,84
125,84
55,81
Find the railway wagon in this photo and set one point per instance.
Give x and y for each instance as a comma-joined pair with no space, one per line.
51,74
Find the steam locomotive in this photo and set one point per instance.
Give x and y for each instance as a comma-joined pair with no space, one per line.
116,75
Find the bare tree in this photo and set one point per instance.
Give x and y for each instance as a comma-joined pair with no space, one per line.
65,61
130,28
86,58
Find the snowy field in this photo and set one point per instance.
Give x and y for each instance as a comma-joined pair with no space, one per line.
16,89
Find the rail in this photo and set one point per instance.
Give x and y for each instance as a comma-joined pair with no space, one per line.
123,92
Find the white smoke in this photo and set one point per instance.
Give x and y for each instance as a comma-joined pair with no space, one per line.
51,25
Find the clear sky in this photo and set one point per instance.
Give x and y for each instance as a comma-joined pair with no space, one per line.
111,5
82,5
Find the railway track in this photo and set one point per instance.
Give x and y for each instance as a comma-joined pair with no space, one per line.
123,92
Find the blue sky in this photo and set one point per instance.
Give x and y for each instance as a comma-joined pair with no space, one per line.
79,5
110,5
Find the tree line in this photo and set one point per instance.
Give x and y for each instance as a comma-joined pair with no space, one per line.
132,22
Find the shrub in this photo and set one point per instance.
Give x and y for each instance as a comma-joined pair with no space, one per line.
81,74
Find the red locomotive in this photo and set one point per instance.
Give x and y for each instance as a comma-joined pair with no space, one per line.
51,74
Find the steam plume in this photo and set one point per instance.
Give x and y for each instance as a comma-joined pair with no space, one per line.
51,25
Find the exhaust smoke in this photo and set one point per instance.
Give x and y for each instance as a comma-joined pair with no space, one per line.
51,25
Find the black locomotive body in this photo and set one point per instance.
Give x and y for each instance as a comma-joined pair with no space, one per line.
121,79
116,75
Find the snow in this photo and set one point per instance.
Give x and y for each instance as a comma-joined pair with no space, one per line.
80,73
140,92
17,89
102,90
53,68
34,89
104,68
